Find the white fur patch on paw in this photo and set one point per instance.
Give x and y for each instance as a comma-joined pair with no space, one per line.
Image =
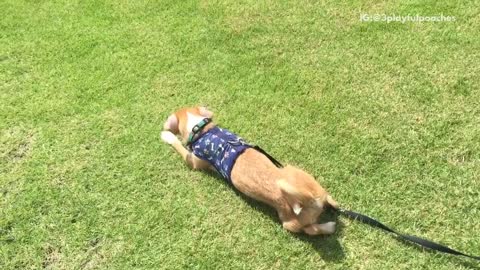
328,228
169,137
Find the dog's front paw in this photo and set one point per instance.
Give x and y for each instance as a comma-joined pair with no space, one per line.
316,229
327,228
169,137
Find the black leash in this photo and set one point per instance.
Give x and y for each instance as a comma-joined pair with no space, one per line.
374,223
272,159
414,239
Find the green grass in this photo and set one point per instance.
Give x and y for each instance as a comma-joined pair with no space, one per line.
387,116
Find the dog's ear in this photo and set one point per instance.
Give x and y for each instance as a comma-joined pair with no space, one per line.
288,188
171,124
295,197
205,112
297,208
332,202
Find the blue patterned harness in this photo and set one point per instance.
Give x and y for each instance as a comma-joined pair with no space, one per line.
221,148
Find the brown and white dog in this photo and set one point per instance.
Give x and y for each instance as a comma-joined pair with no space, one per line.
297,197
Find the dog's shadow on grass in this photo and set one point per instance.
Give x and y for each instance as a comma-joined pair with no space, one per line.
328,247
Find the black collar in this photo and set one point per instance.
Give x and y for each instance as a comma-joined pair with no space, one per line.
193,136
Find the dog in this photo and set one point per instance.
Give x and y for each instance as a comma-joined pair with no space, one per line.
296,196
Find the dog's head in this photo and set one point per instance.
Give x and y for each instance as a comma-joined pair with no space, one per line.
305,196
182,121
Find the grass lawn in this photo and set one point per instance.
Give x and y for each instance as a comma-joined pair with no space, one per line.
385,115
